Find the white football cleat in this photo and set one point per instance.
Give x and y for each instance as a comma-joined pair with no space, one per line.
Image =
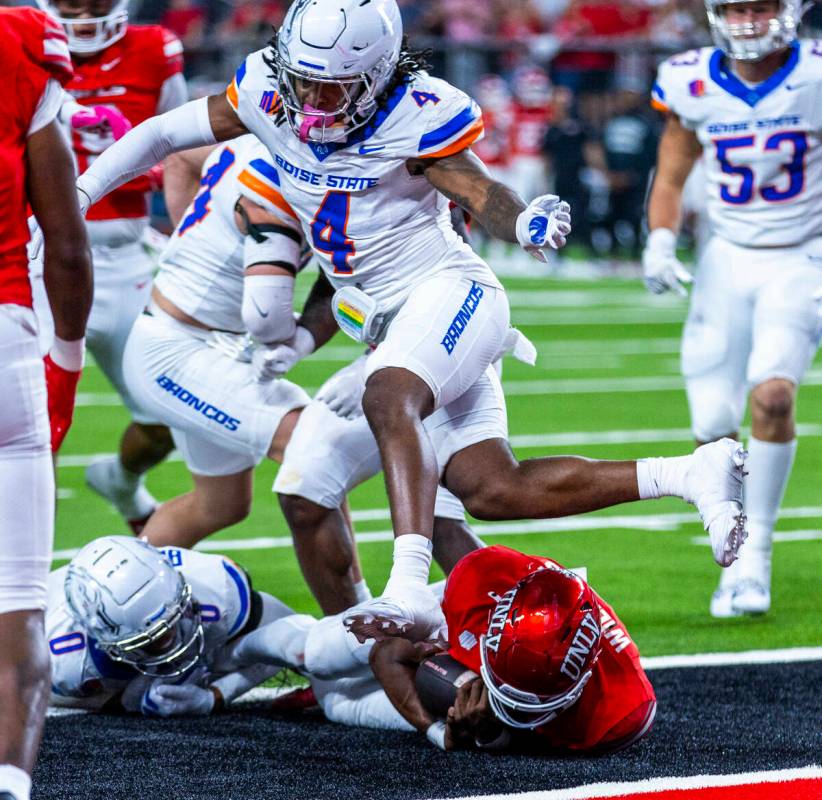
714,485
751,597
416,615
134,502
722,606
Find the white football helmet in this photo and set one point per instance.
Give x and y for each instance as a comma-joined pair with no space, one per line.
137,607
748,41
333,58
107,28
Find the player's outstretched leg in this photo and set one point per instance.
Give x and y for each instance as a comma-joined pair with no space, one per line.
493,485
395,403
120,479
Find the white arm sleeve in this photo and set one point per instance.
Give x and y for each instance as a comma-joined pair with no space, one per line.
234,684
146,145
173,93
48,106
268,304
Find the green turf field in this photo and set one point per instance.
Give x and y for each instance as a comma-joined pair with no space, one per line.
606,385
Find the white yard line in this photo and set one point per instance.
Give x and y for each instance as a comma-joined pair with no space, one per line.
649,785
788,655
631,522
566,439
513,388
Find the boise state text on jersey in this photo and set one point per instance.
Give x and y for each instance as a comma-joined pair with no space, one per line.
763,160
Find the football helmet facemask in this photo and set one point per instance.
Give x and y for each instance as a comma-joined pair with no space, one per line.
89,35
333,58
543,639
752,41
135,605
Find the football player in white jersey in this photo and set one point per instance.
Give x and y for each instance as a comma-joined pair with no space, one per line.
367,149
134,628
750,108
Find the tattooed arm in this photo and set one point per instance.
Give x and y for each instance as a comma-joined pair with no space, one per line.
463,178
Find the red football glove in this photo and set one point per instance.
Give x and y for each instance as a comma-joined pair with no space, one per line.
61,385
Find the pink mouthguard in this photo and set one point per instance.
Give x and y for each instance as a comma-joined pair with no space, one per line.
311,119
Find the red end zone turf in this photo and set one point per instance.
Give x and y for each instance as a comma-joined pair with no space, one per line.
809,789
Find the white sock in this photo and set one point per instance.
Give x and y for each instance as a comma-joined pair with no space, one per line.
16,781
662,477
361,591
125,478
412,562
769,467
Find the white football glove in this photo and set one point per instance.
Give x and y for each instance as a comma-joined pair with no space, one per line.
661,268
177,700
270,361
546,221
343,392
36,243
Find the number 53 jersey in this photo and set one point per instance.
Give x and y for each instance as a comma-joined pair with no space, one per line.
761,142
369,221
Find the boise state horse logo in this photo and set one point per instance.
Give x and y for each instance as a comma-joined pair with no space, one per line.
537,229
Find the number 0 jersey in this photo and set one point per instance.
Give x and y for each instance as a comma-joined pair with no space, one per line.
201,268
618,705
763,160
369,221
79,669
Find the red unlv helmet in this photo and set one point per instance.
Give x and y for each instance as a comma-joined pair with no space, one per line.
543,639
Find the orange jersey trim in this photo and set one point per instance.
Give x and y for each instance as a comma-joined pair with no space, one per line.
471,135
264,190
231,94
659,105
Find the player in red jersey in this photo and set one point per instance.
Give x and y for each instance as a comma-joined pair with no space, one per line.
530,117
553,657
36,169
137,71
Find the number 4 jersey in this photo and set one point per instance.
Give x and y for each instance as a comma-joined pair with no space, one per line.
369,221
761,142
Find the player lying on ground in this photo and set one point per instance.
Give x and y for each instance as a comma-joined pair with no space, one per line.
749,109
37,171
552,654
111,651
365,146
529,647
524,647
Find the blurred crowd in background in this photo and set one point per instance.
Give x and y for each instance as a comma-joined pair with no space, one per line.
563,85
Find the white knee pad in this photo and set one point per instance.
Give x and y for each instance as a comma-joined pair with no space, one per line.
332,652
359,702
716,407
26,532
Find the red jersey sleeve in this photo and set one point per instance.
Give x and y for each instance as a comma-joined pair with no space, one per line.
44,43
172,54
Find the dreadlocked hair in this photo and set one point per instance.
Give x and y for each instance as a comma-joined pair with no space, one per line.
410,63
